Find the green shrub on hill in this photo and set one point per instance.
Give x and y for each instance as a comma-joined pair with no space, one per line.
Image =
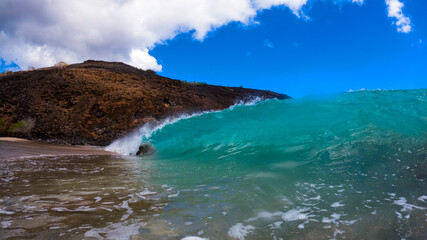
23,126
194,83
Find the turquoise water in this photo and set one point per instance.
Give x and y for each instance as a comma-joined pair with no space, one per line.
347,166
350,165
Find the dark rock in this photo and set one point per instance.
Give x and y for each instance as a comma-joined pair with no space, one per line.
145,149
97,102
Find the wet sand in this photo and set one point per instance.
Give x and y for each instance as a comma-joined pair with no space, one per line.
16,147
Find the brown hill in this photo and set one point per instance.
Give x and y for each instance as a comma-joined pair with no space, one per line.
96,102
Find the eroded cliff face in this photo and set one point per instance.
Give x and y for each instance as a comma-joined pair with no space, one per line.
97,102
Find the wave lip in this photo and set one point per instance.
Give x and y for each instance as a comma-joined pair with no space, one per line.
297,129
130,144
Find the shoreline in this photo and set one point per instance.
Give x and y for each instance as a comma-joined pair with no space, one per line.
11,148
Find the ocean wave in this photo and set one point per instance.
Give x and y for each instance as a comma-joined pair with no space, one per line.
129,144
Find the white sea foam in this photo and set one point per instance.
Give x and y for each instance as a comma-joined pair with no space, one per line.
6,224
60,209
333,219
337,231
295,214
194,238
173,195
301,226
367,90
129,211
249,102
114,231
2,211
315,198
79,209
266,215
406,206
144,193
240,231
276,225
423,198
337,204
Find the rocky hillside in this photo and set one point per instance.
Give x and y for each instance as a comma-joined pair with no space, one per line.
96,102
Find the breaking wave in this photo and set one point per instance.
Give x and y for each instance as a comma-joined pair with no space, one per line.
350,165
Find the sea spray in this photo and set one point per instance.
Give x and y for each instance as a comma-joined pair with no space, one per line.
129,144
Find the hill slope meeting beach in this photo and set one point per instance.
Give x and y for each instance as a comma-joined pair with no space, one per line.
97,102
213,119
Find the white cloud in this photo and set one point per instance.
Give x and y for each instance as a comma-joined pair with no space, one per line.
143,59
42,32
394,8
294,5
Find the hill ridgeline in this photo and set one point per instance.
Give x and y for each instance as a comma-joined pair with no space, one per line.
96,102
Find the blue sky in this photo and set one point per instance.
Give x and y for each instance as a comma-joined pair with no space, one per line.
340,48
337,47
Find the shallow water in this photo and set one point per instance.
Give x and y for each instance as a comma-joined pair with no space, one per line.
66,196
348,166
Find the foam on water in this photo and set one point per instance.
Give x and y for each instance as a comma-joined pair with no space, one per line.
194,238
295,214
115,231
240,231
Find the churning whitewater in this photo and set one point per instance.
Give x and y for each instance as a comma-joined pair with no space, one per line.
352,165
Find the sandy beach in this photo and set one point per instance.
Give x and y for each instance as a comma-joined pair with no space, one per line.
17,147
